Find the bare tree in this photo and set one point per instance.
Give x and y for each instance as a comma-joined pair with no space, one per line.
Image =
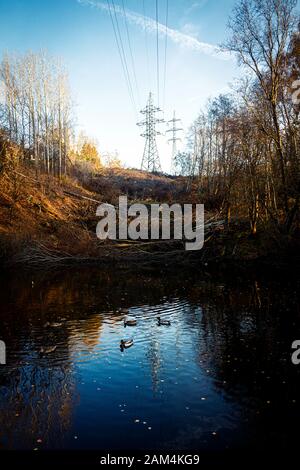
36,108
261,32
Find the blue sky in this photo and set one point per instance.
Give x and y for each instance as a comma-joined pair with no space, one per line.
81,33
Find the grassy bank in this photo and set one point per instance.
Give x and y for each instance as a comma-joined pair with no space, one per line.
49,222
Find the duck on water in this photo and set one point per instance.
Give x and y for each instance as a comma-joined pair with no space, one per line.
126,344
130,322
163,322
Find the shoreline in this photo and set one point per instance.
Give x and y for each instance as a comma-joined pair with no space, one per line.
208,260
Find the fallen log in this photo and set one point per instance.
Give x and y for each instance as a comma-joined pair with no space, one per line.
80,196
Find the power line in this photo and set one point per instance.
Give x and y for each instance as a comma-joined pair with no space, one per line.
124,54
121,52
157,51
146,44
131,54
166,42
121,57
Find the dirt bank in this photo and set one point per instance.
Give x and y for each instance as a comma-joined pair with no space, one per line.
46,222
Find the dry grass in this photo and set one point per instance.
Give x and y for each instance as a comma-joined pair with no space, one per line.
44,221
37,210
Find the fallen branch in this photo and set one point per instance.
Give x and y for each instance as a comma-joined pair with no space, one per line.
80,196
25,176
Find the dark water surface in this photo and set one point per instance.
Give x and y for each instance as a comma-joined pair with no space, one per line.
220,377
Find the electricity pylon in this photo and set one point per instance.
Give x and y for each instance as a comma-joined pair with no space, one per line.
150,161
174,139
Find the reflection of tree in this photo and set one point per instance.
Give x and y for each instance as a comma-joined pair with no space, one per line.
86,333
242,346
102,289
39,401
241,339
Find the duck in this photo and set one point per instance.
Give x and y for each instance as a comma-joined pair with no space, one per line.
163,322
52,325
55,324
47,350
130,322
126,344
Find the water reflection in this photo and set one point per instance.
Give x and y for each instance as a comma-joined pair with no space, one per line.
218,377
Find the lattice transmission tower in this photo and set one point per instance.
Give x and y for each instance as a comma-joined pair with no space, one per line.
150,160
174,139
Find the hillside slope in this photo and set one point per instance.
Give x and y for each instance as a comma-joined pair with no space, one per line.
47,222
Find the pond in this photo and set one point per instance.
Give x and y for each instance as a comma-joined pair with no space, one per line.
218,377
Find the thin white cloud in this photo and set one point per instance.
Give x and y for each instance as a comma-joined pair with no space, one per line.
190,29
195,6
148,24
